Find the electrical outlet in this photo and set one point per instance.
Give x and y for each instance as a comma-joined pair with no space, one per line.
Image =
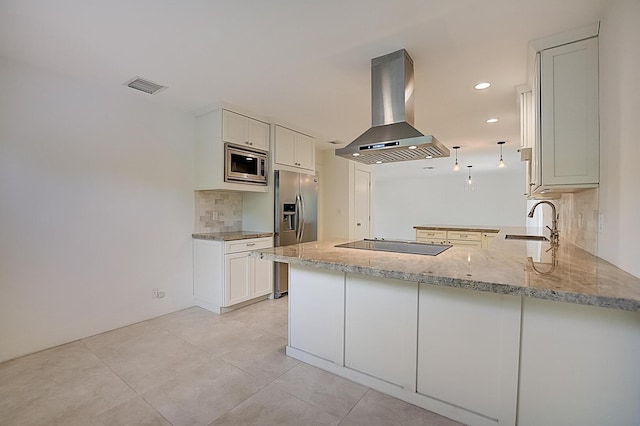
214,216
154,293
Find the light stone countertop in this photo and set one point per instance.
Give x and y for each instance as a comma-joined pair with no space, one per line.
503,268
488,229
231,235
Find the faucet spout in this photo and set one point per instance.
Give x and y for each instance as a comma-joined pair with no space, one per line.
555,235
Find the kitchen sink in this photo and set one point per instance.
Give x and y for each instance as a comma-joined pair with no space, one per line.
526,237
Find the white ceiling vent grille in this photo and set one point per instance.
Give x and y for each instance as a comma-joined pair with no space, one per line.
145,85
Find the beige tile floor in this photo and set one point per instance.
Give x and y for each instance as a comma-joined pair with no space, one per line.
191,367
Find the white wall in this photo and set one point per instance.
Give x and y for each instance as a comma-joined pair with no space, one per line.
96,208
619,243
440,199
337,180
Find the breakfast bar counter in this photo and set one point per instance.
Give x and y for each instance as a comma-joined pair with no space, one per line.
513,267
520,333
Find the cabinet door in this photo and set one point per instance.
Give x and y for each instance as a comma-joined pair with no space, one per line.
285,146
258,134
487,239
237,278
376,308
468,343
234,128
569,109
305,152
262,277
316,312
534,169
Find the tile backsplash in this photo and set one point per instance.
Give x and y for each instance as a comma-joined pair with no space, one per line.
578,221
226,205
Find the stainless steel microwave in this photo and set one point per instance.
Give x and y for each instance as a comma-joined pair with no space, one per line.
245,165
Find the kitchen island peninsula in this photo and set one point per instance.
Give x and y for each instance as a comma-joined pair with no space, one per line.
520,332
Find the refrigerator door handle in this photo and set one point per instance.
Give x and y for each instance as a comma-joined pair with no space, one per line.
301,218
298,213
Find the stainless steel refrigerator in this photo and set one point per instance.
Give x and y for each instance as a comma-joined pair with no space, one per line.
296,218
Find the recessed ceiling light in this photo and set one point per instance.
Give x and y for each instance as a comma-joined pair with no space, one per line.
412,147
483,85
356,154
492,120
378,162
429,156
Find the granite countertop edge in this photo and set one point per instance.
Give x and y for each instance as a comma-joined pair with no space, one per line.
498,288
488,229
231,235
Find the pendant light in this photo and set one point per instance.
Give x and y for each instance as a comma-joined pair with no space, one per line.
501,162
456,166
469,186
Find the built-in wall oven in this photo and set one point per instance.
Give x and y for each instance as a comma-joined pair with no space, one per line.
245,165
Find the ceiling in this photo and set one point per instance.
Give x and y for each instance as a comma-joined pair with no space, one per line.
304,62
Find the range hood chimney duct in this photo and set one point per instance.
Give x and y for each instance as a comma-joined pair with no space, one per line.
392,137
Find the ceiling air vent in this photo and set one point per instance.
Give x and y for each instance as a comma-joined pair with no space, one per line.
144,85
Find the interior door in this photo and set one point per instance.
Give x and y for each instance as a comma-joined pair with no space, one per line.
362,206
309,194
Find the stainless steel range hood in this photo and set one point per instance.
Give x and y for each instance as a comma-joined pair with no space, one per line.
392,137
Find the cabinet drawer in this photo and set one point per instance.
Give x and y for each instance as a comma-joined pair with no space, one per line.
247,245
468,243
429,235
461,235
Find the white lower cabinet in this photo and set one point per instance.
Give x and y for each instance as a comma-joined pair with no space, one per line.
225,274
236,284
319,312
477,357
579,365
456,238
468,344
431,236
381,319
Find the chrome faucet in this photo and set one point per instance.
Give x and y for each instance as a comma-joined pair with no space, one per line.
554,222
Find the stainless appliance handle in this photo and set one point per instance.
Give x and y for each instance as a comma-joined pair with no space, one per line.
298,212
301,218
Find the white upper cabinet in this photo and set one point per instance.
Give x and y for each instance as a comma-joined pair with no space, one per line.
213,130
294,149
241,130
567,144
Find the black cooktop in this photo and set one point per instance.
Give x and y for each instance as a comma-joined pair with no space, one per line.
410,247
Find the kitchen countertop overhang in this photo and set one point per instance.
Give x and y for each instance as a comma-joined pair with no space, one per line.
230,235
503,268
487,229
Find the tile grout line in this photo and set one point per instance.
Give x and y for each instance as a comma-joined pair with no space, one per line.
220,359
354,406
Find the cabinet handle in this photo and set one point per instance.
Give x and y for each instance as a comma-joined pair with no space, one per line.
357,224
251,244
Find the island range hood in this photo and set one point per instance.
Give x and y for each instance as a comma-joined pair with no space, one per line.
392,137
